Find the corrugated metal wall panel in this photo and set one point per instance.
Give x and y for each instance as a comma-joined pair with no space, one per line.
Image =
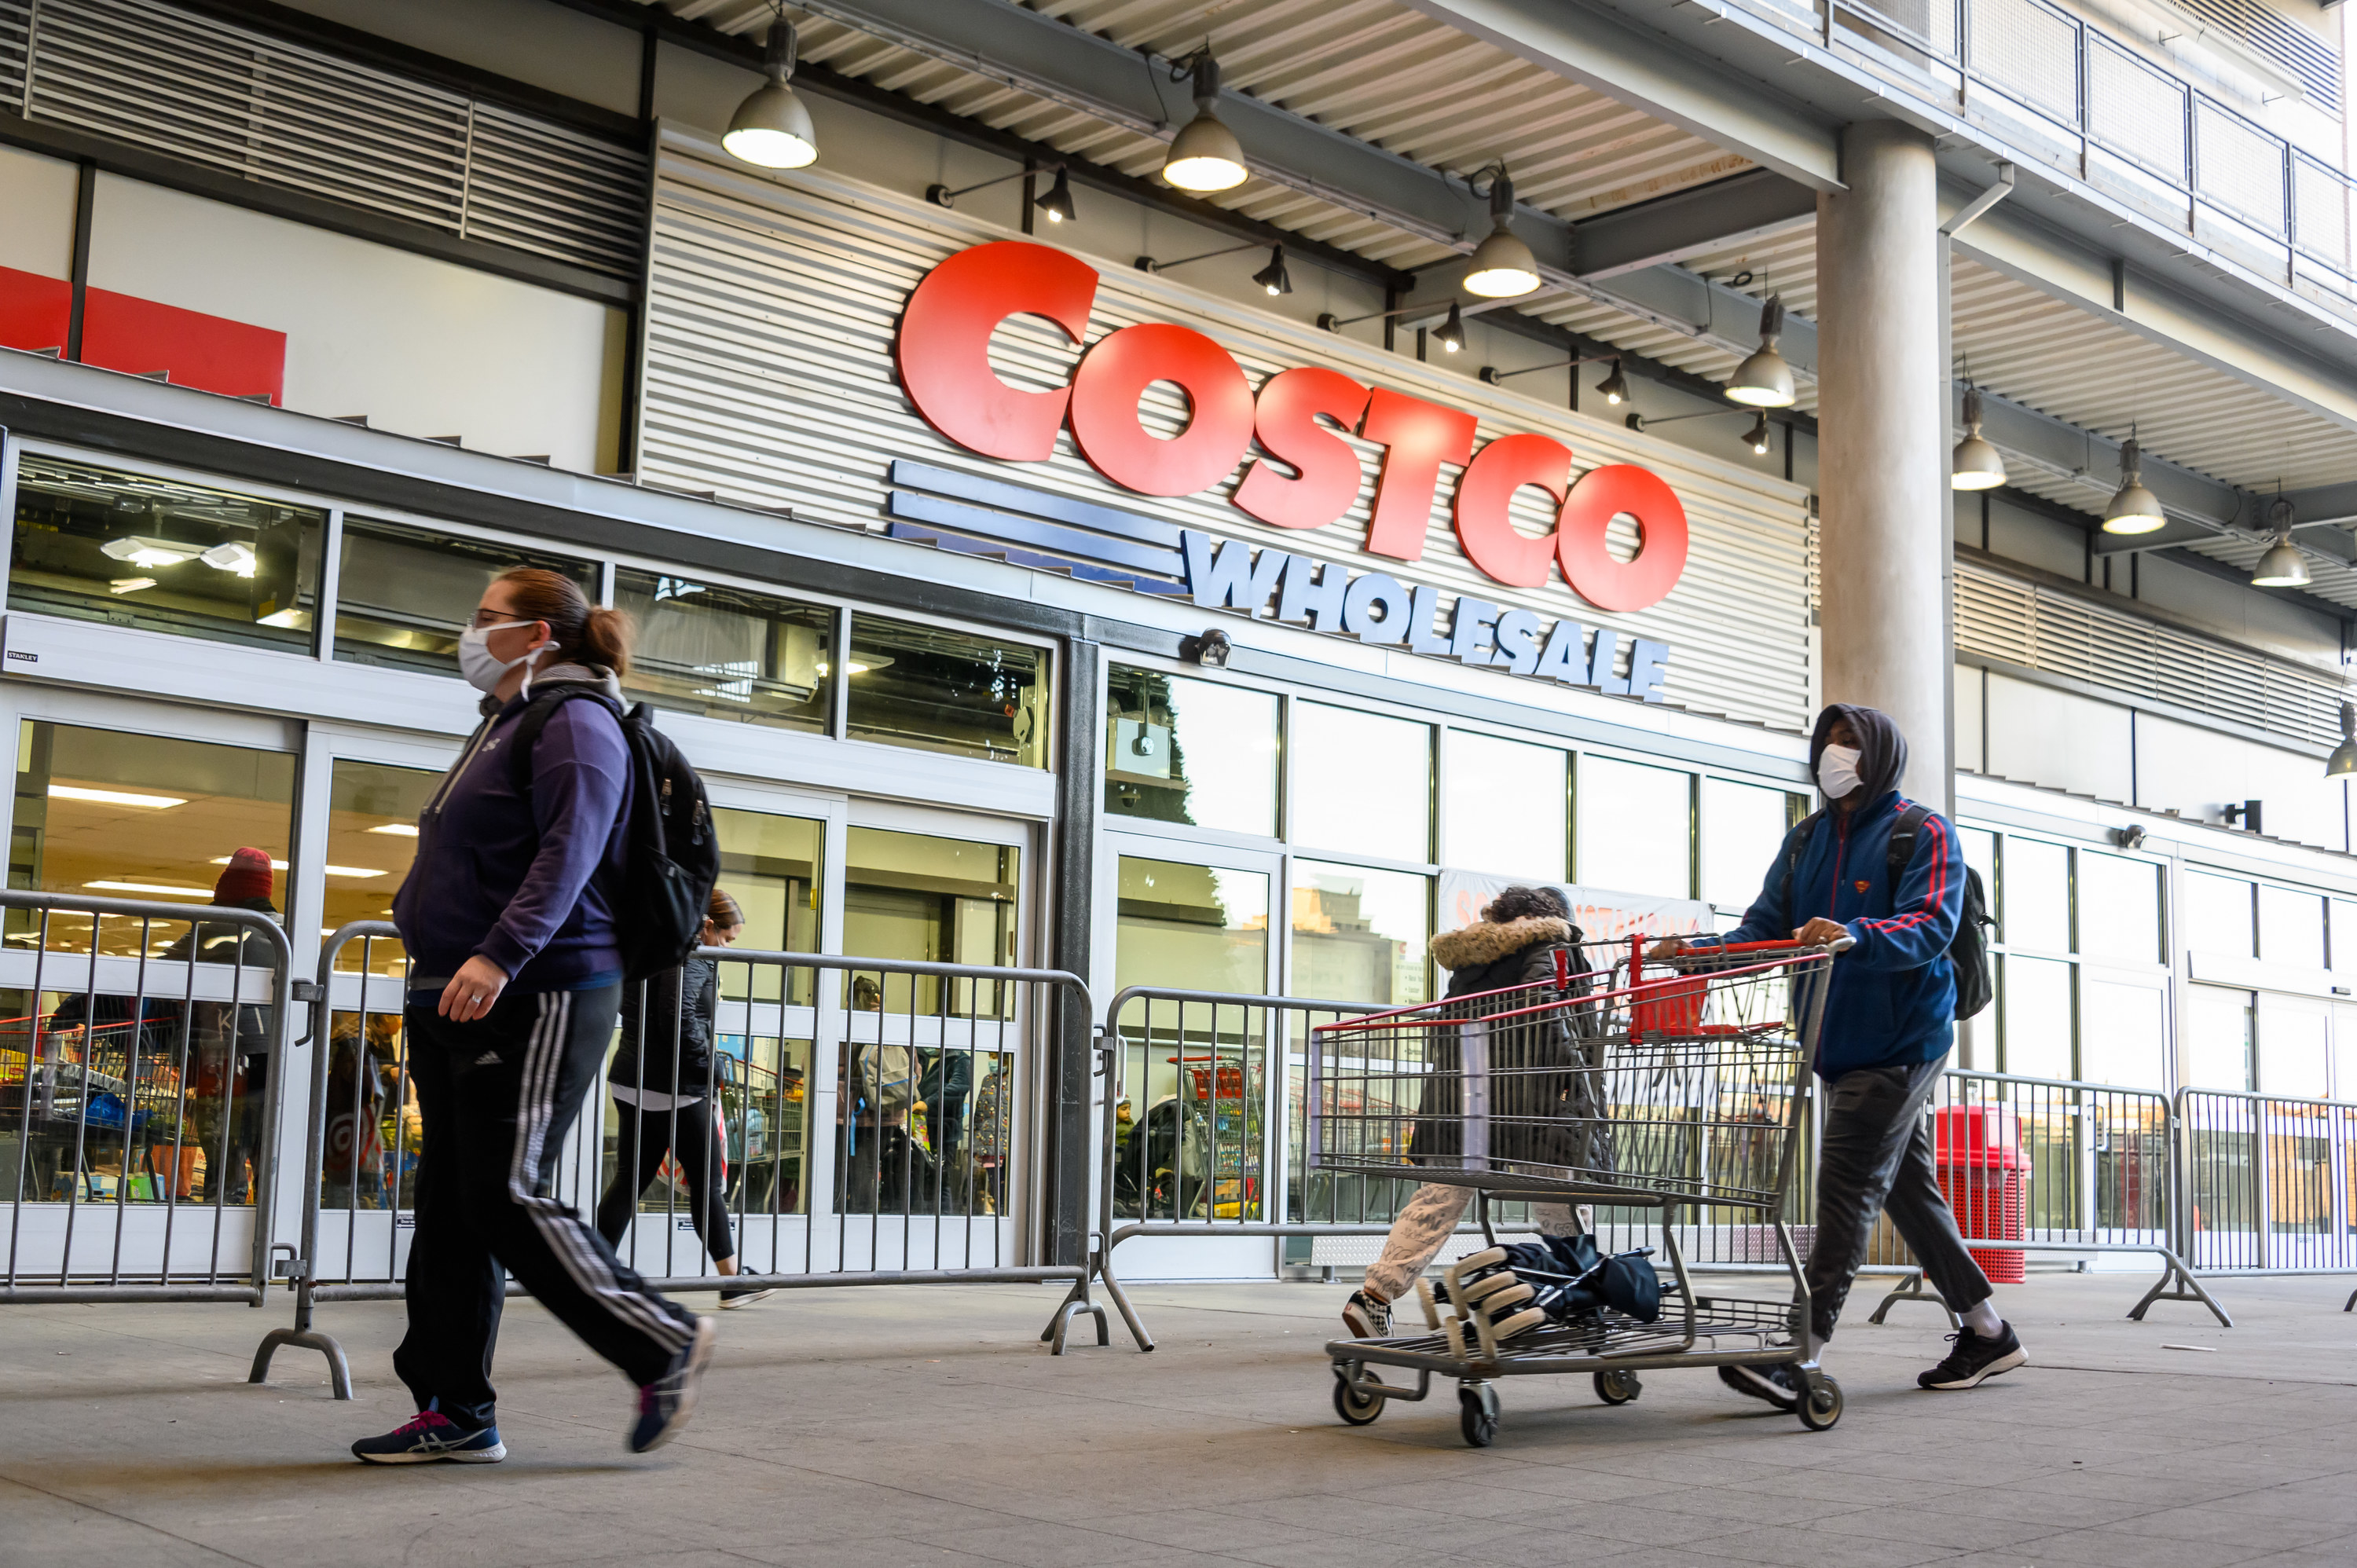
2005,618
201,90
769,379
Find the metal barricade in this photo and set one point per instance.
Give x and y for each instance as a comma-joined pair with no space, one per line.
139,1109
2269,1183
2060,1165
918,1079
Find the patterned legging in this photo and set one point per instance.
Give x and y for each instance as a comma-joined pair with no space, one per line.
1424,1226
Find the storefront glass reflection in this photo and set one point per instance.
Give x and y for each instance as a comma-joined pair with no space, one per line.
160,556
2037,1005
1508,807
953,691
726,652
1193,752
404,595
1636,832
2119,905
373,811
1360,935
1743,826
1361,784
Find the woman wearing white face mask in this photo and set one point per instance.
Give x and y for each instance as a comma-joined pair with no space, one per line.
509,913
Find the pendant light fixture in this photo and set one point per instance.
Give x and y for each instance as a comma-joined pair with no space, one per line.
1765,381
772,128
2344,760
1451,332
1503,267
1273,277
1057,203
1615,386
2133,508
1205,156
2282,566
1975,464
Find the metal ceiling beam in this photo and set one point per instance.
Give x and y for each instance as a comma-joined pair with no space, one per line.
1665,78
1740,210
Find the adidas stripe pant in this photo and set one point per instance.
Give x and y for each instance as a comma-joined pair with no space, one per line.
497,1096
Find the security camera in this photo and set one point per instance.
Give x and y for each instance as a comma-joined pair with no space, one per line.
1210,650
2130,837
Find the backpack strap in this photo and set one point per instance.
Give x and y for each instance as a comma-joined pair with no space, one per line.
1795,840
1901,848
535,719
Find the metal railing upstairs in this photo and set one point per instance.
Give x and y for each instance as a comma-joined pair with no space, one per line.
870,1117
2062,88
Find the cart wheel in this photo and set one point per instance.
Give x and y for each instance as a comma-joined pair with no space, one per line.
1477,1411
1617,1387
1355,1405
1822,1408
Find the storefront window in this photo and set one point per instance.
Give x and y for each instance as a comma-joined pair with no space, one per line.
2123,1034
1743,825
2344,937
1193,752
941,900
770,864
1193,928
373,811
2036,895
1507,809
2119,904
2295,1047
138,816
947,690
2036,1003
1980,854
2218,914
2291,928
101,546
727,653
2218,1038
1361,784
1360,935
1636,828
404,595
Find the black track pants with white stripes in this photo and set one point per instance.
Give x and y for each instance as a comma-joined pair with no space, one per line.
497,1097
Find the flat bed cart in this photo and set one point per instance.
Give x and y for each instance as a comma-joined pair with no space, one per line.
1679,1088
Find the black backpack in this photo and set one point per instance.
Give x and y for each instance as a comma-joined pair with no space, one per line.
675,854
1968,950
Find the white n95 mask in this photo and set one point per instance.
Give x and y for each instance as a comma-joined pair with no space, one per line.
481,669
1837,771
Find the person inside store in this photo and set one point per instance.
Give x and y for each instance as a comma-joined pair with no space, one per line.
665,1087
1513,945
884,1171
509,914
1884,1041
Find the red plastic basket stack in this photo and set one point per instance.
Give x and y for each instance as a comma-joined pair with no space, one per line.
1983,1172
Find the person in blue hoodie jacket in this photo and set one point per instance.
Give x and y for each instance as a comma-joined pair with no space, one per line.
509,913
1888,1028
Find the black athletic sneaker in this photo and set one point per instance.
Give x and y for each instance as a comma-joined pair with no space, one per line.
734,1297
665,1404
1976,1360
1771,1384
1367,1317
430,1438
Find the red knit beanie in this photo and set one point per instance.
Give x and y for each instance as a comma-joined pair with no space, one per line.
247,878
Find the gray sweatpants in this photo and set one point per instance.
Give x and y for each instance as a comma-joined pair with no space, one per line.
1424,1227
1876,1156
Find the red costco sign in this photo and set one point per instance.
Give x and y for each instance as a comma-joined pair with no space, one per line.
1307,475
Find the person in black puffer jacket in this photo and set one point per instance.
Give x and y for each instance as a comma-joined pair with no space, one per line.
1546,1111
663,1087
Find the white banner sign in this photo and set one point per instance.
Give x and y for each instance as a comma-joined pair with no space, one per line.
1601,914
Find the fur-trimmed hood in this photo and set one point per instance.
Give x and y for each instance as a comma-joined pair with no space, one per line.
1485,942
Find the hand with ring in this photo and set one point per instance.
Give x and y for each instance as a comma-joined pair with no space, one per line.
472,991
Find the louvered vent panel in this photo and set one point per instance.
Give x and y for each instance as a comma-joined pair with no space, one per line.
252,106
1992,617
15,42
2065,638
2125,653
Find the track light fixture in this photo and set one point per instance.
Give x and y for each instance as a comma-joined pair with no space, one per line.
2133,508
1273,277
1975,464
771,129
1496,377
1503,267
2282,566
1615,387
2344,760
1057,204
1757,437
1205,156
1765,381
1450,334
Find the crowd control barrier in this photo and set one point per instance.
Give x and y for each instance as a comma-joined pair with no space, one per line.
875,1118
2058,1166
142,1061
2269,1183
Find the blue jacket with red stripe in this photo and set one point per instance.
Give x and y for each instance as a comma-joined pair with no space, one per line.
1893,996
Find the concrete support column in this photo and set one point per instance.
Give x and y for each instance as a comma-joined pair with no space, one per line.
1882,419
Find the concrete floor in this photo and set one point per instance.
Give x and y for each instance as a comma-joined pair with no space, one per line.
929,1427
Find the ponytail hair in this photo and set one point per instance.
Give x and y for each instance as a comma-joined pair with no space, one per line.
585,633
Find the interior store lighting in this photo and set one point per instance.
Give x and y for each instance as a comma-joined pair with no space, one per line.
149,889
2282,566
399,830
2133,508
1975,464
1765,381
236,556
143,551
129,584
114,797
330,870
1205,156
771,129
1503,267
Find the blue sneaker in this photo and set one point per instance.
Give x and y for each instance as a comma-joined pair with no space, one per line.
665,1404
432,1437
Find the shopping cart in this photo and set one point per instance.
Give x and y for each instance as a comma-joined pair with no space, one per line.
1677,1086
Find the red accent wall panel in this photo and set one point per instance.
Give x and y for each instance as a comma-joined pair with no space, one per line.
35,311
121,332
